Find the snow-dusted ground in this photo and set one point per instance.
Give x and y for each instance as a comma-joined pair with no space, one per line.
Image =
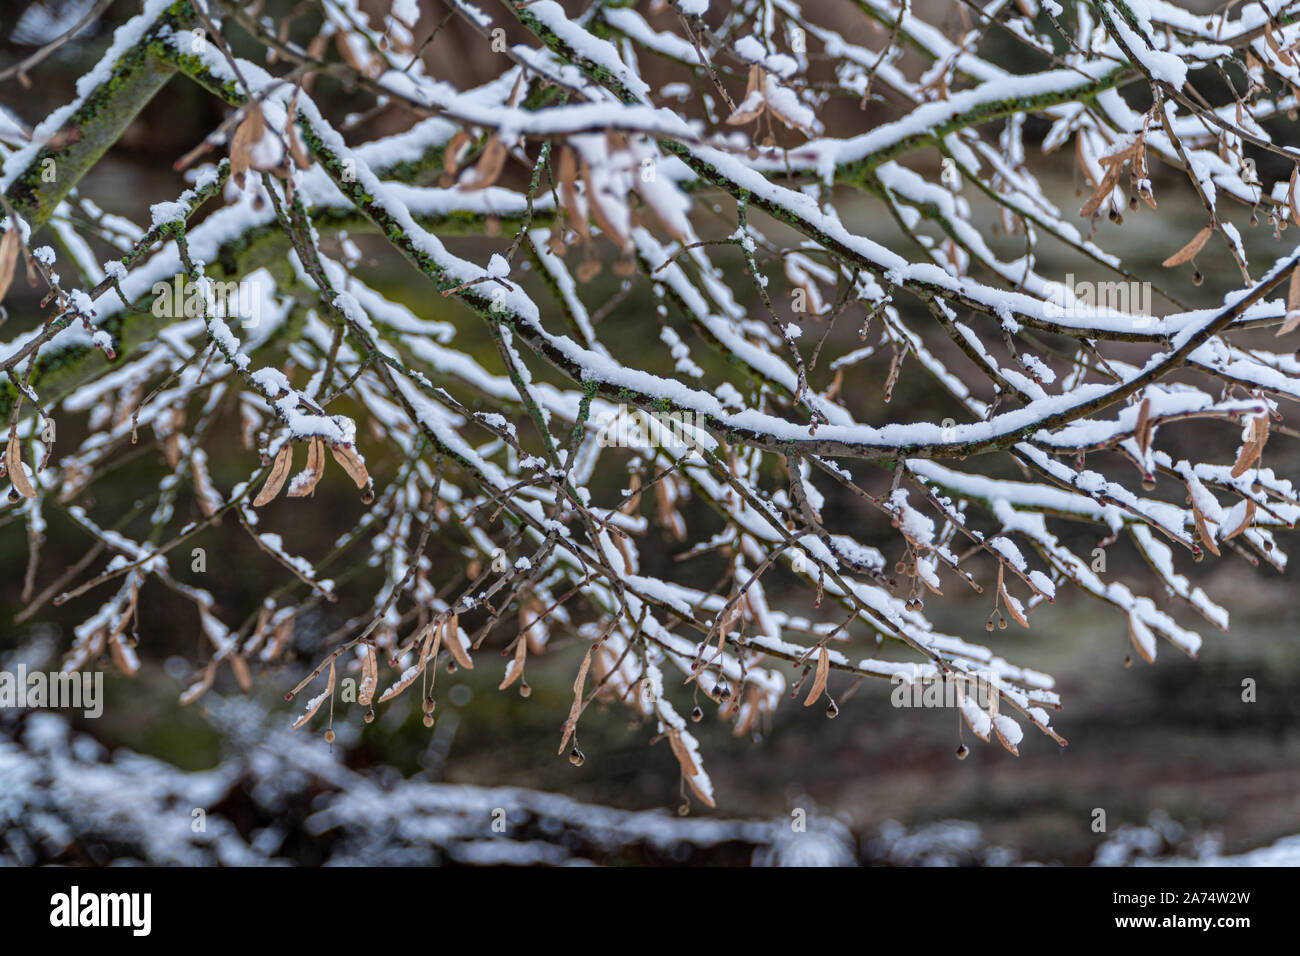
65,798
280,799
1285,852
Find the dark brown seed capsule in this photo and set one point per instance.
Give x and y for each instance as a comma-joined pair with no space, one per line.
833,710
1197,278
962,752
576,757
697,714
329,736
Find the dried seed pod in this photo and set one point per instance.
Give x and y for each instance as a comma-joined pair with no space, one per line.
275,480
819,679
1189,251
15,471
